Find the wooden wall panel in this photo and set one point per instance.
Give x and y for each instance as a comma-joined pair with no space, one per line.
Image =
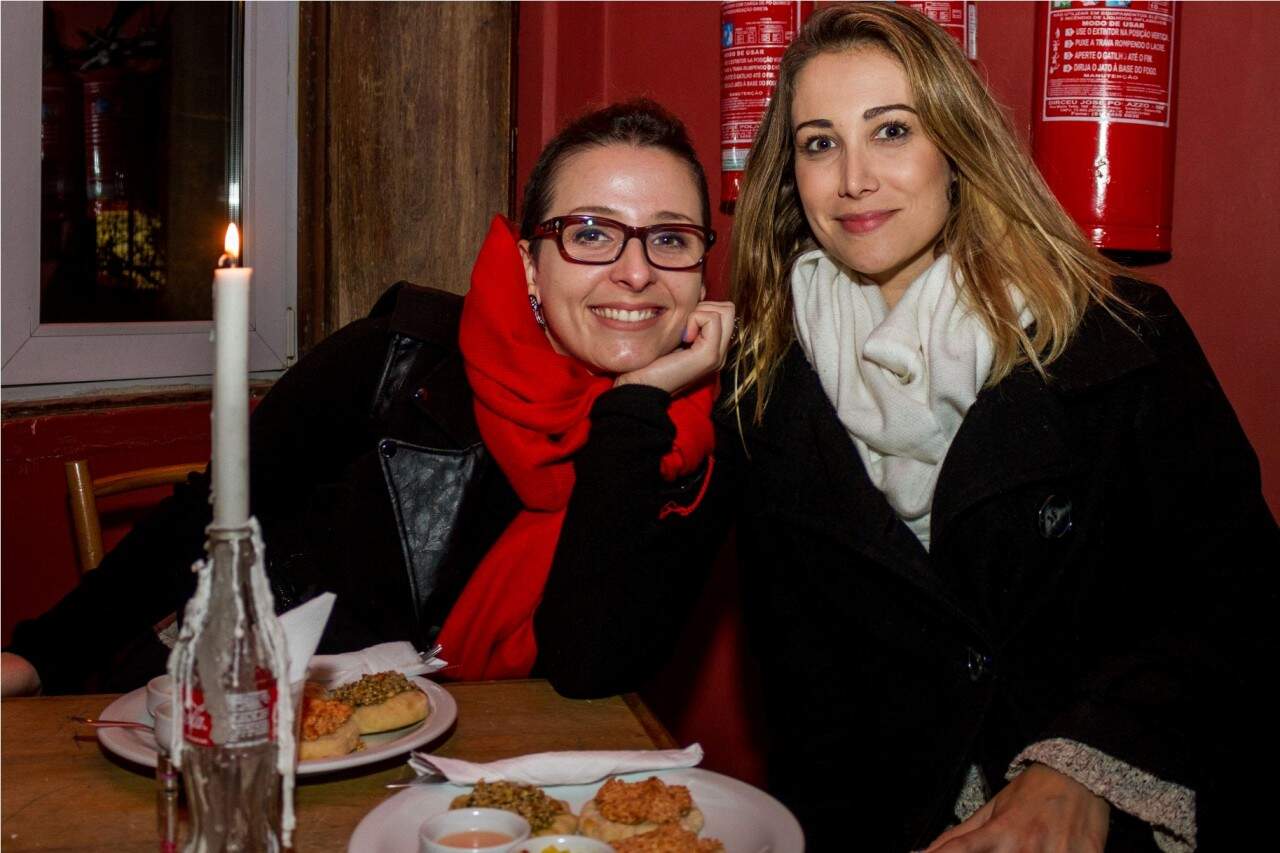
407,132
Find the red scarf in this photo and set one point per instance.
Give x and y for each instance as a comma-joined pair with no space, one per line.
532,408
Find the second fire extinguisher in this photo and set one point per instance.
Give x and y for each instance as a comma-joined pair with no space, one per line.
1103,117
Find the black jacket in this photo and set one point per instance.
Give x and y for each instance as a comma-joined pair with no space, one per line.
1103,569
369,479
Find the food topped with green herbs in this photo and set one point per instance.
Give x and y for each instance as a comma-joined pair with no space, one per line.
546,816
373,689
383,702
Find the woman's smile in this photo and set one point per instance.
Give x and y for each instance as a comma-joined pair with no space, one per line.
864,223
627,319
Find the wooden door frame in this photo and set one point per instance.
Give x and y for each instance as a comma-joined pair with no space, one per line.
315,296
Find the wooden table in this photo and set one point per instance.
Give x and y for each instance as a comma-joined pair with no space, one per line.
62,791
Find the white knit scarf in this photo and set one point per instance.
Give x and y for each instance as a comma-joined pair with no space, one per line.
901,381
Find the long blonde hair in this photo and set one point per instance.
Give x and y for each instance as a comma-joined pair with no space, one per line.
1005,227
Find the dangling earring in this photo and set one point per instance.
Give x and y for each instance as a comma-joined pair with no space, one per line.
537,310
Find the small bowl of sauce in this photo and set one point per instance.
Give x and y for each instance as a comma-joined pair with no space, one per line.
473,830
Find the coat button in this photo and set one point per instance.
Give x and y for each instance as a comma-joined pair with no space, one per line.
387,448
979,665
1055,517
421,394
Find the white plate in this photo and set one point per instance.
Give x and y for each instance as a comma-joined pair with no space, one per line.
139,745
745,819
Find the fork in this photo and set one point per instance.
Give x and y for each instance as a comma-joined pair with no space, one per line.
431,777
111,724
427,772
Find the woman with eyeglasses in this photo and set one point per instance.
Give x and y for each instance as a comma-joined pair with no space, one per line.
419,462
1007,566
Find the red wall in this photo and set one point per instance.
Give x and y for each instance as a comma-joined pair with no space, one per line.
1226,201
575,56
37,551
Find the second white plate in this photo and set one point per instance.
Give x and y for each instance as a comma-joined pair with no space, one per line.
139,745
744,818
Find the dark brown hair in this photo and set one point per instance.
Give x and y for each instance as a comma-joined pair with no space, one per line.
640,122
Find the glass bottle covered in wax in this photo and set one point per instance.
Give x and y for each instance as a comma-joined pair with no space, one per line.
236,741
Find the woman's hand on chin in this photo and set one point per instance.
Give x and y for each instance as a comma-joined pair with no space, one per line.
707,333
1040,810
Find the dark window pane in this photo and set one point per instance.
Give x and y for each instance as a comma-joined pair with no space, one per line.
141,102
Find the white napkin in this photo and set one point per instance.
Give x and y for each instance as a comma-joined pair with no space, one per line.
349,666
558,768
303,626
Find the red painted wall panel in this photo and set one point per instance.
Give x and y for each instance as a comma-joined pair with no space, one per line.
575,56
37,551
1226,202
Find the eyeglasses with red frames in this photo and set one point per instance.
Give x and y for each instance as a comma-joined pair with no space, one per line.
673,246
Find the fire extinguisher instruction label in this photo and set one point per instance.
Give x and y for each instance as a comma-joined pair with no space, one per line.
1109,61
957,17
753,37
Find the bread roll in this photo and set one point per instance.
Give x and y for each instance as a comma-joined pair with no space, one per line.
384,701
339,742
328,728
401,710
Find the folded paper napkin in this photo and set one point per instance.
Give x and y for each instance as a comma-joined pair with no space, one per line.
303,626
558,768
399,656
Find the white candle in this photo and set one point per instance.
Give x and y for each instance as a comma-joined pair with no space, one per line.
231,389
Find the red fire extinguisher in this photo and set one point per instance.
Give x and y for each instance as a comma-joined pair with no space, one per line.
753,37
958,17
1103,117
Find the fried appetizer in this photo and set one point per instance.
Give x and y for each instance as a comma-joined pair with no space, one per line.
623,809
383,701
328,730
546,816
668,838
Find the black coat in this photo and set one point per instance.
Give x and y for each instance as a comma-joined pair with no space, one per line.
369,478
1102,569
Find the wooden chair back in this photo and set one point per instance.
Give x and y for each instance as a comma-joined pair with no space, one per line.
83,492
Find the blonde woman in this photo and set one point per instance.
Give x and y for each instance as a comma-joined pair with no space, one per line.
1005,552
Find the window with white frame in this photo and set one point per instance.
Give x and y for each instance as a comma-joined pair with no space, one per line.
140,307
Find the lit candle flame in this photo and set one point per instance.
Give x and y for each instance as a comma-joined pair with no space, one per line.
231,245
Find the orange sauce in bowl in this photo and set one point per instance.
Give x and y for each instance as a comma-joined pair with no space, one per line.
474,839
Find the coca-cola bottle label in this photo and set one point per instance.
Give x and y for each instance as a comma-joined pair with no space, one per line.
250,715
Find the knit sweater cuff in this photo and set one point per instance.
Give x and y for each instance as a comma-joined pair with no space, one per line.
1169,808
